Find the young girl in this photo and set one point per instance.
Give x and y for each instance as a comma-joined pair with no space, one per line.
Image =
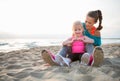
95,53
77,44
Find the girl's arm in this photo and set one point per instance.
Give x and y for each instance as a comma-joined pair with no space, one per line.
67,42
88,40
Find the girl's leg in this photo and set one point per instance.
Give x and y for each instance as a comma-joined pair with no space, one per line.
60,57
85,59
89,48
86,56
62,61
64,51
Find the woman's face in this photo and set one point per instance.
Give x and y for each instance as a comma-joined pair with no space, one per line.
89,22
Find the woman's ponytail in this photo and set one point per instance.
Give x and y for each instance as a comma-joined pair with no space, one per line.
97,15
100,20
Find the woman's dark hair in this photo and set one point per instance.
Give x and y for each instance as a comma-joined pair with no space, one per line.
97,15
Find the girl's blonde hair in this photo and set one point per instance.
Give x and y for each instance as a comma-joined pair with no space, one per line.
76,23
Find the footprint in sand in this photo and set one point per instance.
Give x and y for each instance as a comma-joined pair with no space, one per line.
37,74
13,66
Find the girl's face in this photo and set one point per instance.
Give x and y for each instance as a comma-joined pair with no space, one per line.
89,22
77,30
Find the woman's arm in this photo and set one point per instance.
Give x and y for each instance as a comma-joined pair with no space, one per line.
97,33
96,37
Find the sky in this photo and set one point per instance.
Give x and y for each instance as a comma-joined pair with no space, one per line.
55,17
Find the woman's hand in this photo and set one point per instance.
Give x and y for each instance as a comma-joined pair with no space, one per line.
87,40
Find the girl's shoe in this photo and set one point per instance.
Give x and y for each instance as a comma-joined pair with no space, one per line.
48,57
98,56
62,61
85,59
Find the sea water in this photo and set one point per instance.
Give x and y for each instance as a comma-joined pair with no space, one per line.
7,45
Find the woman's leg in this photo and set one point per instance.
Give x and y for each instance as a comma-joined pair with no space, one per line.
94,55
97,56
52,59
48,57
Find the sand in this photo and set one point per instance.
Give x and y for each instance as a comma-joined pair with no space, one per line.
20,65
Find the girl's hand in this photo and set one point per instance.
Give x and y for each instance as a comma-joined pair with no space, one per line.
82,39
73,39
68,42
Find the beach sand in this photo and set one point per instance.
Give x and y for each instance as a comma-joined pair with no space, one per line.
20,66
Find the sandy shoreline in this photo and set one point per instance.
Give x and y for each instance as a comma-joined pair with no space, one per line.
18,66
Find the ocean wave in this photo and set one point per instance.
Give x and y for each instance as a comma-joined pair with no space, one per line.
2,44
13,44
